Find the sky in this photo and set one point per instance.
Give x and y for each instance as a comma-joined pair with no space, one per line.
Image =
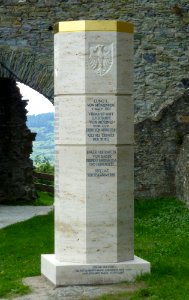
37,103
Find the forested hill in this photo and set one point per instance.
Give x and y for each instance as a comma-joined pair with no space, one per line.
43,125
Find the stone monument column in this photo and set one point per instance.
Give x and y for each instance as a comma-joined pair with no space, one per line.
94,155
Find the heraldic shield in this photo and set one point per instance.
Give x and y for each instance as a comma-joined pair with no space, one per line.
101,58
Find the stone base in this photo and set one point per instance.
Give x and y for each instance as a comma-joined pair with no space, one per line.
61,273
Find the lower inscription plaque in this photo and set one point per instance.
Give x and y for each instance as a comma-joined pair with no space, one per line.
100,270
101,163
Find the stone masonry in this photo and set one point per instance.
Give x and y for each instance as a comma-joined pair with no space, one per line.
161,58
161,159
16,168
161,43
182,172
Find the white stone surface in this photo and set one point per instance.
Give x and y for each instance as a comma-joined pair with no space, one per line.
77,70
62,273
94,119
94,204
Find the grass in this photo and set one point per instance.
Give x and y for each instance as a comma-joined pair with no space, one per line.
44,199
20,249
161,237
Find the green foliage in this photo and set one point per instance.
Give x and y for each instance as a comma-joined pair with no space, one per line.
44,199
43,165
43,125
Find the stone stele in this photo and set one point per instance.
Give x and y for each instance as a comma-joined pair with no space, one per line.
94,155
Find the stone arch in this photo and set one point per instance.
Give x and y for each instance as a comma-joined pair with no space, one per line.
36,71
161,43
29,69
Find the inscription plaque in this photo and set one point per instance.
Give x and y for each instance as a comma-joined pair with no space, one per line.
101,270
101,163
101,120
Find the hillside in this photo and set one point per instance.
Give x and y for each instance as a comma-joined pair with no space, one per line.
43,125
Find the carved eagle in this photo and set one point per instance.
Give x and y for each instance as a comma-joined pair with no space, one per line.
101,58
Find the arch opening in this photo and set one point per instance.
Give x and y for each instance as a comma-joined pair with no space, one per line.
40,119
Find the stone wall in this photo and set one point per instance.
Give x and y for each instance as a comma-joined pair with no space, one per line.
161,43
16,168
161,70
182,172
161,157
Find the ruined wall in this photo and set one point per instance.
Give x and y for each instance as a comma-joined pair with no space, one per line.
161,158
15,146
182,172
161,43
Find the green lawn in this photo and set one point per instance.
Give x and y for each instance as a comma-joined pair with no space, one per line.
20,249
161,237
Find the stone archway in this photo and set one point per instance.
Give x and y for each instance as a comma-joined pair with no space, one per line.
16,167
29,69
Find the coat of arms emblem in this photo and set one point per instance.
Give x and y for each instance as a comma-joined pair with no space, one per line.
101,58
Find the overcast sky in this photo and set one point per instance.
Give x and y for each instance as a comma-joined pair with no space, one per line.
37,104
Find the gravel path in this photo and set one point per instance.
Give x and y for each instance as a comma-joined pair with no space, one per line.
14,214
44,290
